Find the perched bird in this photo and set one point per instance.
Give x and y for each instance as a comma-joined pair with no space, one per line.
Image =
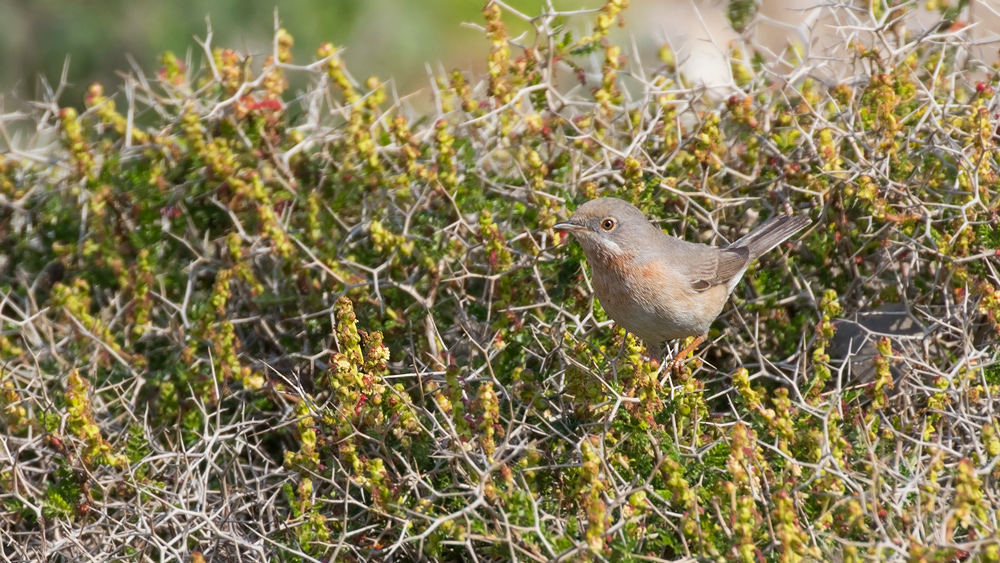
659,287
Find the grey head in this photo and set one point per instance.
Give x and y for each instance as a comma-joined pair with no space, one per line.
610,228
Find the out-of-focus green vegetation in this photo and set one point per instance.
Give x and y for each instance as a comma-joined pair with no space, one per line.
386,38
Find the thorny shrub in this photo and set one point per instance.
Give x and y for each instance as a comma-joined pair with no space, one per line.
240,323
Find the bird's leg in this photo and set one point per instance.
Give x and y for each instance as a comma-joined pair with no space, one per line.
654,351
679,359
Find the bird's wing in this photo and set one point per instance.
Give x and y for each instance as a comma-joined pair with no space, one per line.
724,265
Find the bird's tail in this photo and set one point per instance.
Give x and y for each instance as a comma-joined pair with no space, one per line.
773,232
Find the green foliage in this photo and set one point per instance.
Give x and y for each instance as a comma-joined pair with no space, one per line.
63,494
348,327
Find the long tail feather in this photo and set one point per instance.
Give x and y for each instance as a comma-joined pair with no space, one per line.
773,232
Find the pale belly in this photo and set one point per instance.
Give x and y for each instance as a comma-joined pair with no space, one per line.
645,310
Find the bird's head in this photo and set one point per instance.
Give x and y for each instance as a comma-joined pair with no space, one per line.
609,228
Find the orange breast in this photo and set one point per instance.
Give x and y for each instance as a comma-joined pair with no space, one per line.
653,302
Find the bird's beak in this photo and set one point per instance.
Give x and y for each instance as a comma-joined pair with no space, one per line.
570,227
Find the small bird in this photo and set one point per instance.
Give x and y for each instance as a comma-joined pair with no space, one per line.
659,287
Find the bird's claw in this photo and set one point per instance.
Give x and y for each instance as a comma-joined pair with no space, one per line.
675,365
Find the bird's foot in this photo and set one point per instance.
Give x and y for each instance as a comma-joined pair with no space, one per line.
675,365
678,361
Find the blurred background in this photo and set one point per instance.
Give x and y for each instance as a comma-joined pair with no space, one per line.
385,38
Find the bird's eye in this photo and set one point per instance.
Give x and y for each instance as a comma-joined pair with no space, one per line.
608,224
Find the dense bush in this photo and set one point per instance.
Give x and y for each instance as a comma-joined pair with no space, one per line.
244,324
